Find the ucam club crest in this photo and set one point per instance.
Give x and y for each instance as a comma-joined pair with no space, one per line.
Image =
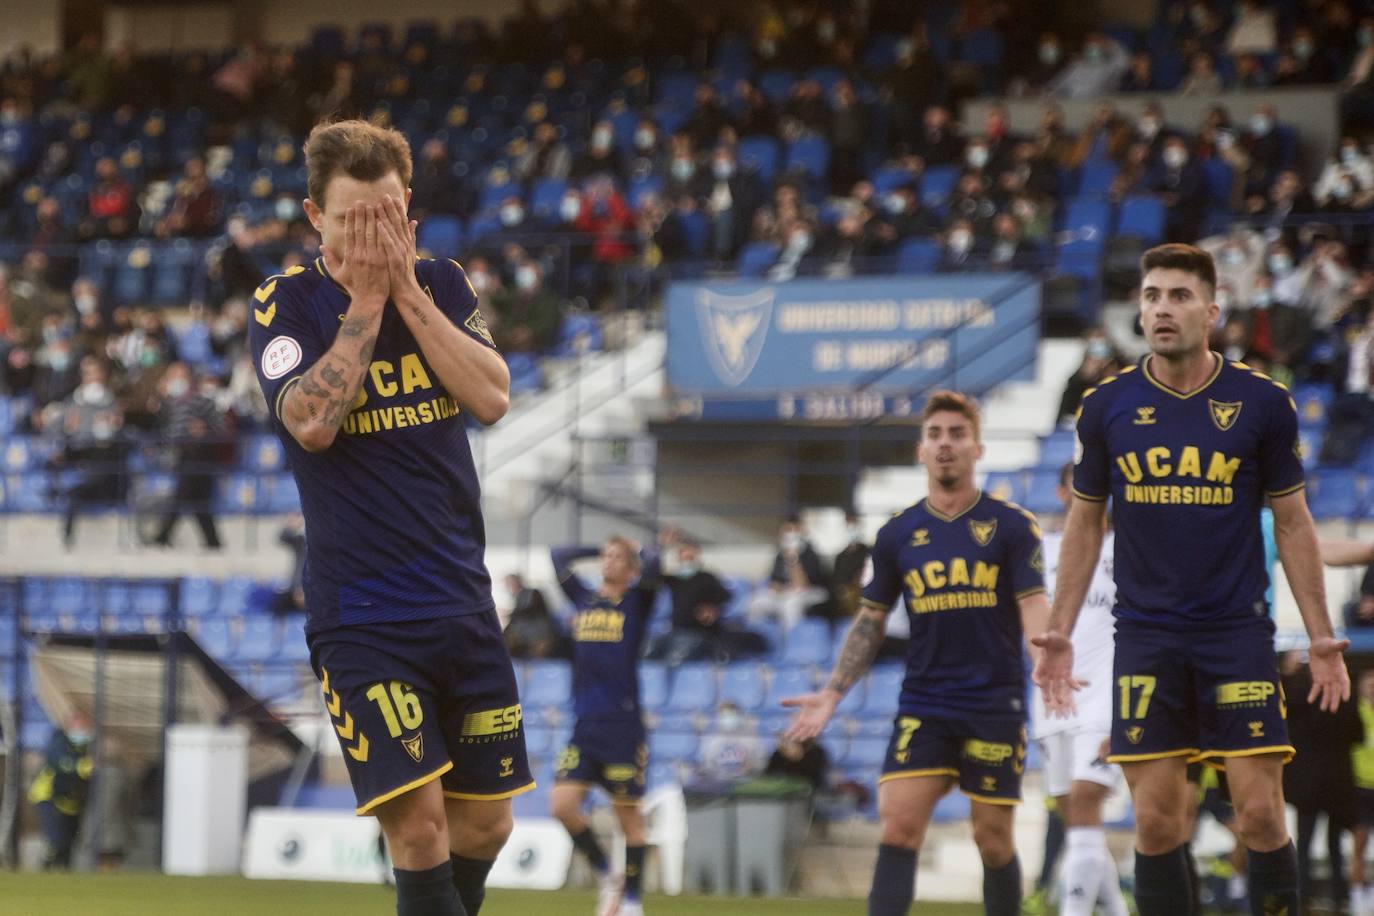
733,328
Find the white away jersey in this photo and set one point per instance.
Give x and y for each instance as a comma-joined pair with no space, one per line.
1093,646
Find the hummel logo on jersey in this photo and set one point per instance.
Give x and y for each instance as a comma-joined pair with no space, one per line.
1224,414
1144,416
982,531
920,538
1256,729
507,767
989,783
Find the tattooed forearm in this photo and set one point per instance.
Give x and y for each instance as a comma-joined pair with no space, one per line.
860,648
317,405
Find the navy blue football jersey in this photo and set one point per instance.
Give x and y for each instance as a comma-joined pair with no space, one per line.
1187,475
962,577
392,508
607,636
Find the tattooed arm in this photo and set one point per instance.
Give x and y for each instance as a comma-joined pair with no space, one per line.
856,657
316,404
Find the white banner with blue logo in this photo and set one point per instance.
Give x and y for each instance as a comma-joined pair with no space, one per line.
884,335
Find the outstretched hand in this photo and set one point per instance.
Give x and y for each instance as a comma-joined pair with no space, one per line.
1330,679
1053,673
813,713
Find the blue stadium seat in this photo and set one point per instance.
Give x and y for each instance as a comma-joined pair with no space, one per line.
150,599
1096,177
1007,485
852,703
277,684
743,685
670,746
693,689
884,690
539,742
890,177
661,774
866,752
1334,493
72,596
810,155
937,184
193,344
760,156
173,271
756,258
1310,444
546,196
808,643
653,685
1040,491
954,808
836,747
547,683
777,84
215,638
1056,449
440,235
199,596
116,598
258,641
280,494
578,333
788,682
983,47
1219,178
86,623
1313,400
20,455
131,275
28,492
641,188
262,454
233,596
1142,216
918,256
236,494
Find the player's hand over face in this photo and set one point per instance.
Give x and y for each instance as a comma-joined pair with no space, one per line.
399,235
361,268
1053,673
813,713
1330,680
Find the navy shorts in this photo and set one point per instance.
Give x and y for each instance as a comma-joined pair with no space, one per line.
1205,695
610,753
988,756
421,700
1364,807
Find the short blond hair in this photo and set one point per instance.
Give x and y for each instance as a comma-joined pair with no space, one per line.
356,148
954,402
627,544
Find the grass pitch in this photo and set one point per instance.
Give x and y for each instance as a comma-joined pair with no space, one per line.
156,895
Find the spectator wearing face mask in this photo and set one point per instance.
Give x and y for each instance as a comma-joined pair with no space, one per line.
960,251
938,142
729,204
685,175
1100,360
525,319
512,215
189,424
1347,181
1239,256
1048,63
62,787
92,449
797,582
1178,181
648,155
1301,62
1264,145
545,157
1202,78
731,751
601,156
847,574
708,116
1096,71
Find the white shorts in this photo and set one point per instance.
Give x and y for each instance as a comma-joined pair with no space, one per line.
1076,755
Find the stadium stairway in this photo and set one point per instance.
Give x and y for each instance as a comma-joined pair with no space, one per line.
1015,415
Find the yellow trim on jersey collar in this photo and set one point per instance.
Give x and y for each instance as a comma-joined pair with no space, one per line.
977,498
1145,369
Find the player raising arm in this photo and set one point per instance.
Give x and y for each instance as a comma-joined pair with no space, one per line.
1187,446
971,570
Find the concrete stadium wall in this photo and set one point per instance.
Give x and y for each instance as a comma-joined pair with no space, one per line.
1313,112
37,23
194,27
